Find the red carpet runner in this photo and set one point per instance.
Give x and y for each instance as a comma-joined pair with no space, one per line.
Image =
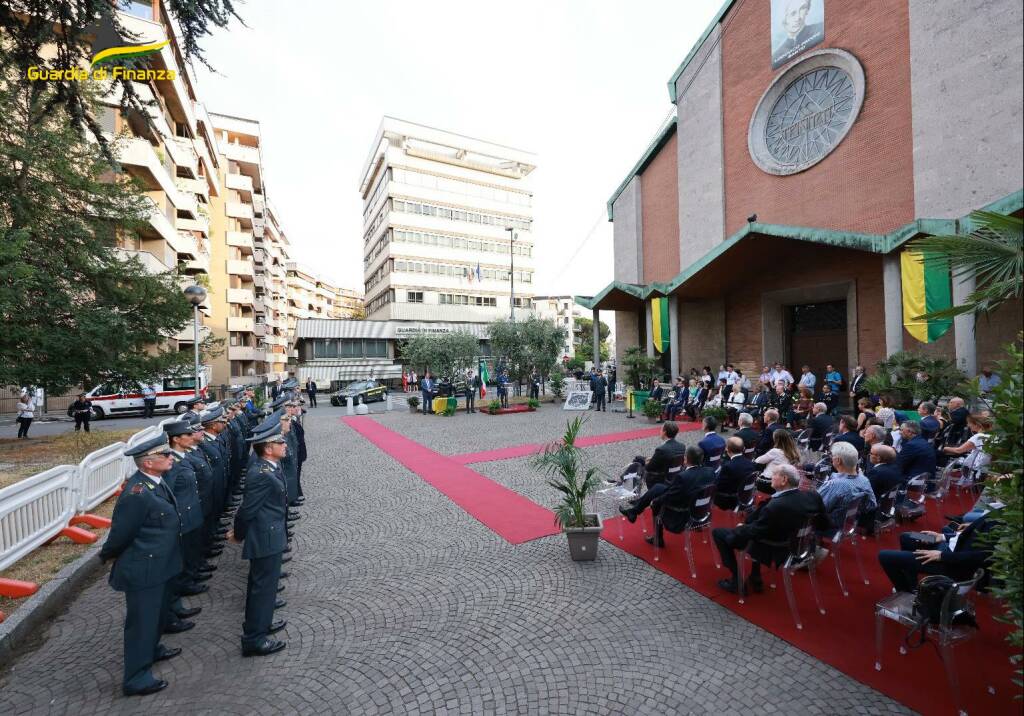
845,636
586,441
506,513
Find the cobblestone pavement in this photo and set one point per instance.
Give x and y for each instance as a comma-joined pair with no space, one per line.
398,602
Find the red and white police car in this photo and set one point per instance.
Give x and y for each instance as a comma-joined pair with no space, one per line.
125,398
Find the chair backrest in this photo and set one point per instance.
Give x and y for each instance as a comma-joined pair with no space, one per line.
916,487
745,497
750,450
700,512
802,544
804,437
715,459
959,600
887,505
853,508
826,442
676,465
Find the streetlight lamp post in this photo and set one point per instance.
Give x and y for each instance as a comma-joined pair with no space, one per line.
195,296
511,274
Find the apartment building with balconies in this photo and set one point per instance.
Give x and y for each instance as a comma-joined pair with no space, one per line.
310,295
563,312
348,304
447,226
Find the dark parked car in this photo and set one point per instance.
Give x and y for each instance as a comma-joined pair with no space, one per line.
367,390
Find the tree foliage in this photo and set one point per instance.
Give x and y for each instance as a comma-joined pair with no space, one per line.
522,346
583,337
566,466
897,376
74,309
640,367
60,35
992,254
444,354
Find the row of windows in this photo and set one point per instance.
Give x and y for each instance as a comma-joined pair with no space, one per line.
377,221
378,192
473,217
460,271
459,299
346,348
377,276
380,300
458,186
459,242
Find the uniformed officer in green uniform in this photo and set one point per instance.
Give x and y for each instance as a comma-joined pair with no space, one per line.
260,526
145,543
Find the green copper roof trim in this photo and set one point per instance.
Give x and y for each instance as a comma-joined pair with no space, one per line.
873,243
648,155
696,47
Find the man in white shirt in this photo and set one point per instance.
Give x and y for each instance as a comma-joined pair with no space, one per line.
807,378
731,376
781,374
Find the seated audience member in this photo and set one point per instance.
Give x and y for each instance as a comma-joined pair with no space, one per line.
917,455
760,401
929,423
821,424
657,392
845,485
771,424
885,412
664,456
873,435
746,433
958,415
724,389
678,492
712,444
848,433
865,412
735,470
972,452
770,528
783,403
883,474
698,395
678,402
804,403
735,404
956,554
783,452
830,398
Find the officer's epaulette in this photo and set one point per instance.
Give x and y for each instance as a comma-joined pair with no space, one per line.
266,467
136,488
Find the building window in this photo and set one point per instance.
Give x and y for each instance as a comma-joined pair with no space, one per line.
443,212
414,296
137,8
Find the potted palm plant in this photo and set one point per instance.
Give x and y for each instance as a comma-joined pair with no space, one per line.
565,466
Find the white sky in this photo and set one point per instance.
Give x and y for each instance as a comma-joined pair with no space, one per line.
581,84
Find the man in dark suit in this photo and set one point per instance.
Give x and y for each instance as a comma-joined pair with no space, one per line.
770,528
760,401
857,389
657,392
746,433
145,544
917,455
849,434
884,474
427,392
679,492
260,526
712,444
957,421
771,424
311,391
667,456
736,468
821,425
929,423
956,554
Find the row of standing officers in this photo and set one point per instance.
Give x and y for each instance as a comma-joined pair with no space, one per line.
197,486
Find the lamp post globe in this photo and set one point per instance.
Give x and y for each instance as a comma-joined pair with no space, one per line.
195,296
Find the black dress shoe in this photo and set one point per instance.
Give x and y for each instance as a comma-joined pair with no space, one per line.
650,540
283,575
214,552
728,585
280,587
277,626
300,500
280,604
286,558
219,539
158,685
290,534
294,516
222,531
203,576
628,514
193,589
187,612
178,626
269,646
166,653
208,567
287,550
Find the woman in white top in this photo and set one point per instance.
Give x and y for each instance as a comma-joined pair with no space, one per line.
26,411
885,413
784,452
734,406
976,459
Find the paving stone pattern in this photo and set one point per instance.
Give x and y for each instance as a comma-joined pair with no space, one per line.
399,602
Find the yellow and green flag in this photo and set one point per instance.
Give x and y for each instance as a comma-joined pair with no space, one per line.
660,331
926,288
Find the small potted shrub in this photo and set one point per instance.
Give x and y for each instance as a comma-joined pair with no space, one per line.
414,403
493,407
565,466
532,404
652,409
717,412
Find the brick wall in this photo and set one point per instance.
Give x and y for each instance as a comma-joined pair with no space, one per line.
659,197
867,183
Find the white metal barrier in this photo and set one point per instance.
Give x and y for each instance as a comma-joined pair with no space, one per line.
99,476
34,511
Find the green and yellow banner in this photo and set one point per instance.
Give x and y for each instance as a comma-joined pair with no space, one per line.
660,332
926,288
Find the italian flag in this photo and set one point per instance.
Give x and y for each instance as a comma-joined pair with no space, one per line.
926,288
484,377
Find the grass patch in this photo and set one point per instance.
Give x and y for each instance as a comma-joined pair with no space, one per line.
23,458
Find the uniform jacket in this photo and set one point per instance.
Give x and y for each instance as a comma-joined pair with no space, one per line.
145,536
260,521
290,466
300,436
204,477
218,462
181,479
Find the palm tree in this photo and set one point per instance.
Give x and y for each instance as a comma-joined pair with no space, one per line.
564,463
991,254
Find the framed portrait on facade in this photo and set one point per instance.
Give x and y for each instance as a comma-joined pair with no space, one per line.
578,400
797,26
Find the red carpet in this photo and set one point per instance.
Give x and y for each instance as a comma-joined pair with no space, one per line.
508,514
587,441
845,637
